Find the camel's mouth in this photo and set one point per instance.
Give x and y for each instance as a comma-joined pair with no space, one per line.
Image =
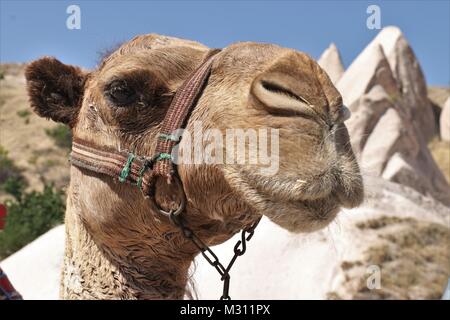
304,215
283,200
318,213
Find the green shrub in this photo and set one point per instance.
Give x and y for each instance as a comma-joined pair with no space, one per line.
14,186
24,113
8,170
29,216
62,136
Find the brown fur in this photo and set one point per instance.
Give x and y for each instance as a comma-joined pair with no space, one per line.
116,247
55,89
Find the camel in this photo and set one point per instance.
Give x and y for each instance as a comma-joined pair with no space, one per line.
117,246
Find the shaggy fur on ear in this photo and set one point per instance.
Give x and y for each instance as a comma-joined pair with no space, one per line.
55,89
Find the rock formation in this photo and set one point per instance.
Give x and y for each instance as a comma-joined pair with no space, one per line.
331,62
405,68
410,78
392,118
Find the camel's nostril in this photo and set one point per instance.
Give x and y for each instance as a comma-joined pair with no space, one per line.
277,88
346,113
341,115
278,93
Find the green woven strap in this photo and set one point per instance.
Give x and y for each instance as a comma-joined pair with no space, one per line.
127,168
147,165
170,137
141,175
163,156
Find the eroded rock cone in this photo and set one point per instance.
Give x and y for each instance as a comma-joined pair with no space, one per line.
370,68
392,118
331,62
410,79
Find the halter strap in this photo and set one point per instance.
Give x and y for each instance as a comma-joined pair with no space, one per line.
128,167
182,104
124,166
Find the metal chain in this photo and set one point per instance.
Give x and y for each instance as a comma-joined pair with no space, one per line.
211,257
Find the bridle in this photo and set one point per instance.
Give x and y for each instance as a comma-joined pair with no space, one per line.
127,167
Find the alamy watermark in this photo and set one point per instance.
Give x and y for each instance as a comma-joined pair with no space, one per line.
253,147
374,19
374,280
73,21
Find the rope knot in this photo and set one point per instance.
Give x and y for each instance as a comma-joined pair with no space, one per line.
127,168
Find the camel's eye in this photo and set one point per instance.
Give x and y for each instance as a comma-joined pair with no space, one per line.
120,94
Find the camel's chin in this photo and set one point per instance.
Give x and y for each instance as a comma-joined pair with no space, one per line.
286,206
302,222
303,216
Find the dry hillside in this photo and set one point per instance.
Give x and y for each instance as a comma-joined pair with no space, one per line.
438,95
23,133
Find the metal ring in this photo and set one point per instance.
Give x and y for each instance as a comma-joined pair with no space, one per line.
176,181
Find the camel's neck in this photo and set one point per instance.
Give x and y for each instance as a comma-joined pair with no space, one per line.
116,251
91,272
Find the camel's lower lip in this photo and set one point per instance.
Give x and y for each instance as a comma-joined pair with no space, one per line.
290,209
286,189
328,203
323,206
320,209
305,216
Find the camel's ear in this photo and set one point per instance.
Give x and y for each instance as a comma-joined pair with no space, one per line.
55,89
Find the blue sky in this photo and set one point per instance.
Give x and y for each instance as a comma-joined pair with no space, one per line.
30,29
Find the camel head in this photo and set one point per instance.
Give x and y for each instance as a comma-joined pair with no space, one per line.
279,95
